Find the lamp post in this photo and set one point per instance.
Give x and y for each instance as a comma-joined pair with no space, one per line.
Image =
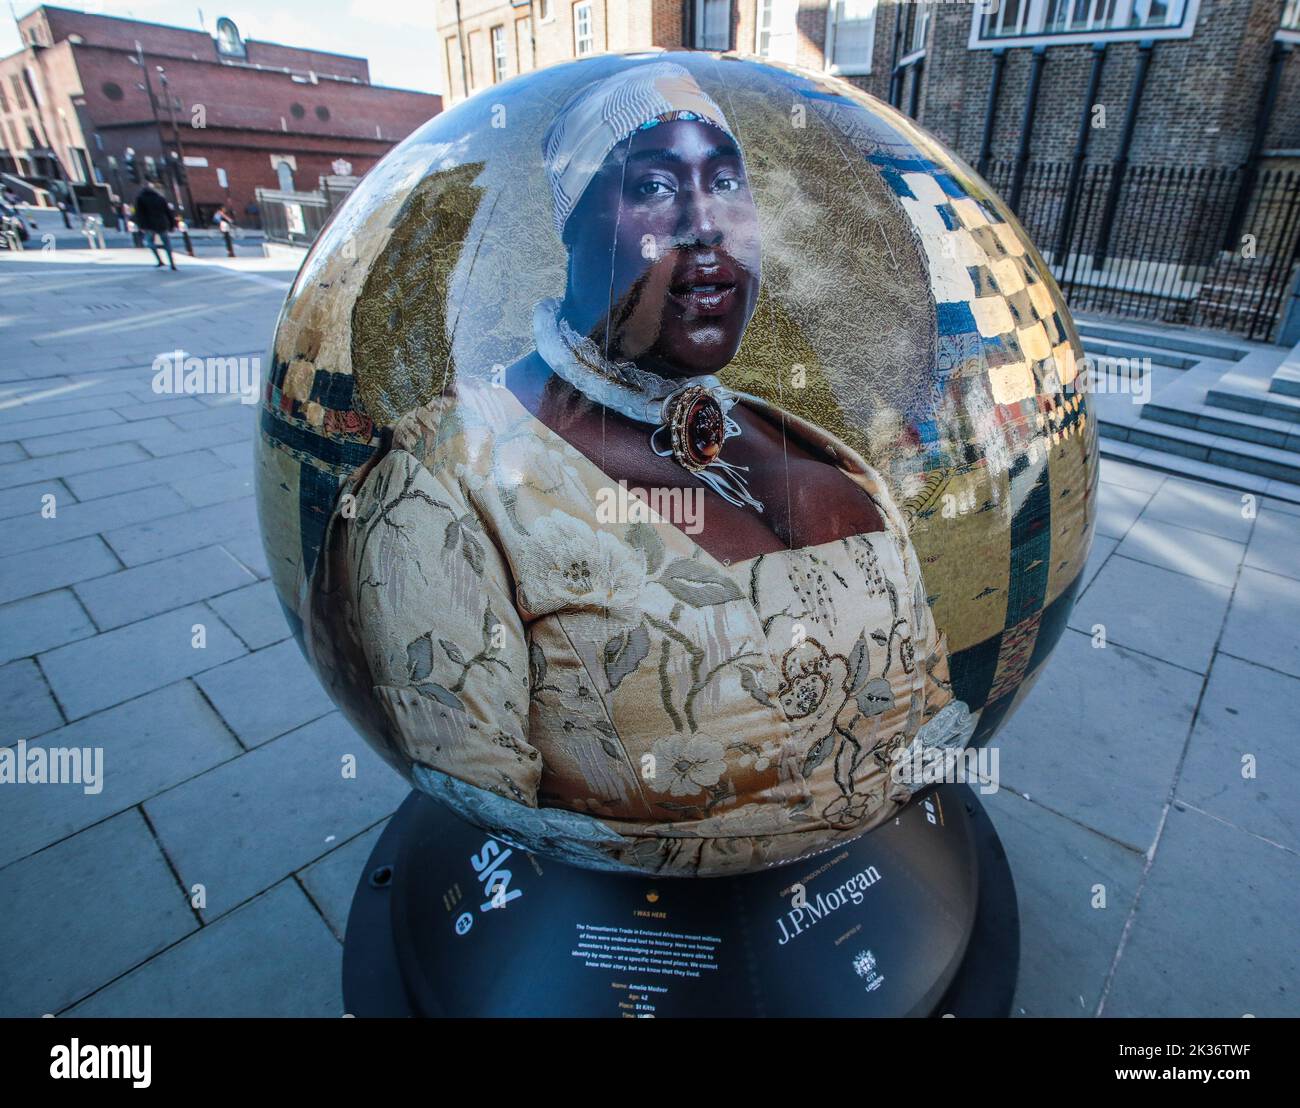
176,135
153,108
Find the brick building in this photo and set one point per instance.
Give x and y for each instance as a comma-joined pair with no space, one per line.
1208,64
77,104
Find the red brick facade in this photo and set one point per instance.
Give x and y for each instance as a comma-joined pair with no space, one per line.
241,112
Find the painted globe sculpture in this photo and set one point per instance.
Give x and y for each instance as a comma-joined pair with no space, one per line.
665,454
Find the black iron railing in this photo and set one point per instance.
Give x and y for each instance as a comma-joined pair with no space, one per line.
1182,244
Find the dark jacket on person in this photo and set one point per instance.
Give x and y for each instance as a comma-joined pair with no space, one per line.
152,212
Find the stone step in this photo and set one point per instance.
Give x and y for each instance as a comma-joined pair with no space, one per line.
1271,405
1160,339
1245,427
1159,356
1201,446
1182,466
1286,380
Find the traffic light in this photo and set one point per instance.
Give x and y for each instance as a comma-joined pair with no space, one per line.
178,168
133,166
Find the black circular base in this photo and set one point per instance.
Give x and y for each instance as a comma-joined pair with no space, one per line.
917,918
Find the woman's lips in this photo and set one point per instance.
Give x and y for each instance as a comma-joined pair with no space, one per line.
703,298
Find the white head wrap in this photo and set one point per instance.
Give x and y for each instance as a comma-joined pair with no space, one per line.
602,115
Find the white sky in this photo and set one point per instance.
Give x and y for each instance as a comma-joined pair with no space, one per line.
396,35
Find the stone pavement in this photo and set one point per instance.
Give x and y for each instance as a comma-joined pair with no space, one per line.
1154,878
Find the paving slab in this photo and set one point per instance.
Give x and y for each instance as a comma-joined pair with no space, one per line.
1195,553
243,826
267,693
332,881
1214,932
1102,548
56,567
143,474
273,957
1114,472
176,441
120,665
1066,945
1155,611
123,431
1118,508
1275,543
41,622
1201,507
71,425
249,550
75,521
27,500
1108,761
215,488
147,590
26,471
84,912
1263,621
1241,764
188,529
26,706
148,744
254,614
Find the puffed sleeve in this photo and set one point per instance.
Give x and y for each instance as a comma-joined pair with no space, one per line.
433,610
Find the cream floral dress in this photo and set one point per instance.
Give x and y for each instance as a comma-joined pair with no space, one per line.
609,692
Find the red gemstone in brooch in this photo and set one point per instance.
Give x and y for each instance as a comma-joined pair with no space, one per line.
698,428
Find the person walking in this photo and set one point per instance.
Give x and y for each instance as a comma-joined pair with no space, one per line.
154,217
225,224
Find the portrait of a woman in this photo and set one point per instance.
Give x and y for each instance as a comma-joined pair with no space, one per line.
695,693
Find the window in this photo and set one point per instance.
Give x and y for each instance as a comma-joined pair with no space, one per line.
776,36
473,46
4,100
850,36
453,67
1291,15
498,53
584,38
111,90
1032,22
19,96
297,111
322,113
228,41
544,13
920,25
713,24
524,43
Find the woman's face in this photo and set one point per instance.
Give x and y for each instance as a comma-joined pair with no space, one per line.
664,256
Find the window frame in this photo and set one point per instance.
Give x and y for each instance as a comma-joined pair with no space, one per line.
851,70
501,57
1037,14
588,7
792,6
1290,32
697,32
